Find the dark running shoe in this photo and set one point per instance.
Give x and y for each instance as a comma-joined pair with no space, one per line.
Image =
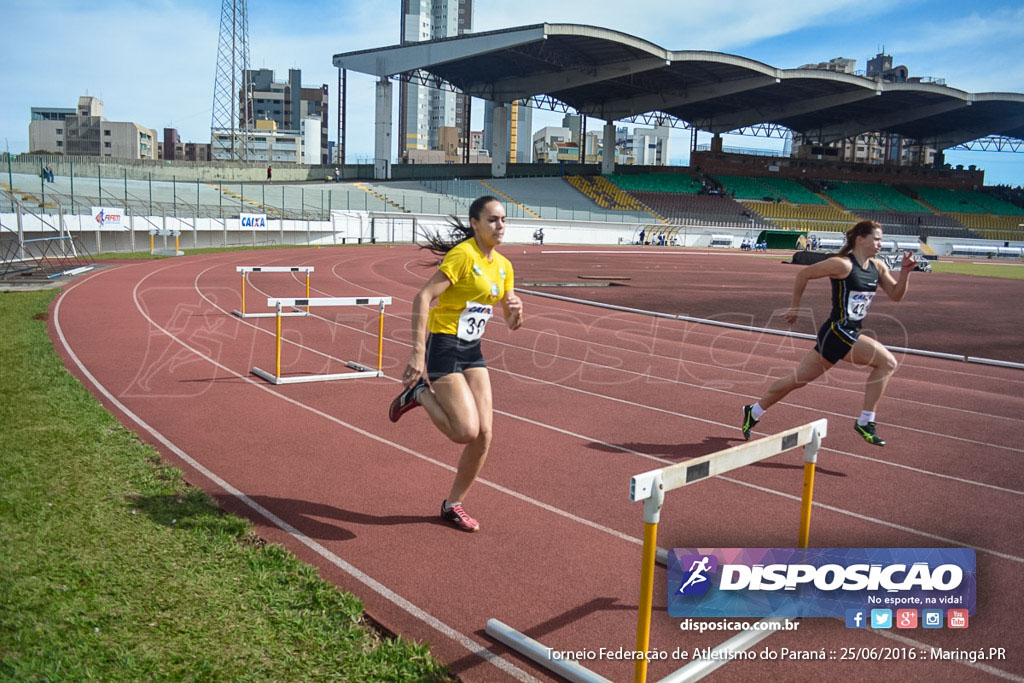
748,421
457,516
405,401
867,432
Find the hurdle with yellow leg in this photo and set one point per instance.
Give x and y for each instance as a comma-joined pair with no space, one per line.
651,487
245,270
360,370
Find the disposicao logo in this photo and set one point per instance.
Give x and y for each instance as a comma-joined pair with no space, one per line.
813,582
695,580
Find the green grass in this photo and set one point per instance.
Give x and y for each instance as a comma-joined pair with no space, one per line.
1003,270
112,567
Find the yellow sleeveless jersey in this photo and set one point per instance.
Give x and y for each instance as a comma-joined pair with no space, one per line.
477,285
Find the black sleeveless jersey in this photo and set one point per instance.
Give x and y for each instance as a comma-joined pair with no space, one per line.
852,295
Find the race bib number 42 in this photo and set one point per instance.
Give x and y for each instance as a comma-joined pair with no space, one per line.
473,321
858,303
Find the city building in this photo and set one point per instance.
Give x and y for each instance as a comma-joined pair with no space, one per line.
52,113
288,103
561,144
449,151
267,144
423,110
871,147
518,131
173,149
85,132
643,146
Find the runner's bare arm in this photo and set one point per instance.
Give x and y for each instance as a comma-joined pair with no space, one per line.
513,307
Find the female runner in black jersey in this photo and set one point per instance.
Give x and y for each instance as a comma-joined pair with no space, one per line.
856,274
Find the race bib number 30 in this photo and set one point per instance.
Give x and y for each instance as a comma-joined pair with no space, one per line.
858,303
473,321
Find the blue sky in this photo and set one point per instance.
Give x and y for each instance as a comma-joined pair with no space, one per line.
152,61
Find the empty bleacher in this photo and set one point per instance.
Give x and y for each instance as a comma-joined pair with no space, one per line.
792,191
872,197
693,208
803,217
656,182
965,201
742,187
556,199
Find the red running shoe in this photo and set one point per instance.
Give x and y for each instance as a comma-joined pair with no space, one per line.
405,401
457,516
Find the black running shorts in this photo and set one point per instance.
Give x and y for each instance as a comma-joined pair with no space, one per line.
446,353
835,341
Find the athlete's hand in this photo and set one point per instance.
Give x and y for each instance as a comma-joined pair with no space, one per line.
909,261
792,315
414,369
513,311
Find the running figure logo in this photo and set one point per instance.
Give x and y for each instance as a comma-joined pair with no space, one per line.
696,582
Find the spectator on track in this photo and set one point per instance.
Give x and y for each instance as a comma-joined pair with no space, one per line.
643,234
856,274
470,280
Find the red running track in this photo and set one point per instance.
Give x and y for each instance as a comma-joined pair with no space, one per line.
584,399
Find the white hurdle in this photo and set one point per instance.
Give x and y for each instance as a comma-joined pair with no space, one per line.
361,370
244,270
651,487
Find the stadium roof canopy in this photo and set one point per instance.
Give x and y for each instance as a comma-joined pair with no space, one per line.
611,75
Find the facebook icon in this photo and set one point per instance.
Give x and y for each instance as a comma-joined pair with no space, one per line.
856,618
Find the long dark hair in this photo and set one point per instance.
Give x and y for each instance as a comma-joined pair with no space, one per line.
458,231
859,230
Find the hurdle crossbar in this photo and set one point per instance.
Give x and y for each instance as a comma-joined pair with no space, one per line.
245,270
651,487
360,370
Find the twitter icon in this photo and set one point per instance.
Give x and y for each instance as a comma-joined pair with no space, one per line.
881,618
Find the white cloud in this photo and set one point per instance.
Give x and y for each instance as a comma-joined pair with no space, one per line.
675,26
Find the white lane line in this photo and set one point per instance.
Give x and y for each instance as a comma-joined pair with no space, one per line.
763,489
455,635
689,384
351,570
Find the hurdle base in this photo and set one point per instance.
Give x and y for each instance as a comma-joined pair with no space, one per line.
166,252
290,314
361,371
569,669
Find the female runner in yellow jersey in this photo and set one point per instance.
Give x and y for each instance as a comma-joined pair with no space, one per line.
471,279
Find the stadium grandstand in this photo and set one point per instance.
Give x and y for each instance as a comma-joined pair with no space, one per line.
719,194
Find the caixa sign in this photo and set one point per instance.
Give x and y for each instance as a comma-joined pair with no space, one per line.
253,221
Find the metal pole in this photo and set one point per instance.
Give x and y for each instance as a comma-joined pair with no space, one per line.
72,187
21,233
150,193
10,182
174,193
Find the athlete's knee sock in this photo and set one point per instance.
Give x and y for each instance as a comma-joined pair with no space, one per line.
756,411
865,417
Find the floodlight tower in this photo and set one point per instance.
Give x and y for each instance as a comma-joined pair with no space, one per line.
232,116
